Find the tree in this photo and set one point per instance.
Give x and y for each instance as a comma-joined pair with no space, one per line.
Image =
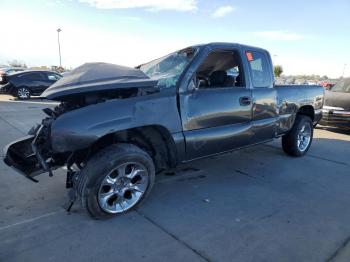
59,69
278,70
17,63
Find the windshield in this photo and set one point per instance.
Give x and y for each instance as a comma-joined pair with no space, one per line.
342,86
169,68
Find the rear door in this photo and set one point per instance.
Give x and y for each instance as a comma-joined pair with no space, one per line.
264,108
216,108
32,80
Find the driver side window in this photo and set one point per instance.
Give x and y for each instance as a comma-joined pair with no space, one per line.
220,69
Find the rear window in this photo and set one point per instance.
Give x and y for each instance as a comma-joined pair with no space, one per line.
260,69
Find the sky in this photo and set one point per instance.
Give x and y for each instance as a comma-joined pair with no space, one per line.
305,37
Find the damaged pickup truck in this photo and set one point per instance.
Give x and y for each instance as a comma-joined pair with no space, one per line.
116,127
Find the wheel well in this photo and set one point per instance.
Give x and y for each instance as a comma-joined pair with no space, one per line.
155,140
307,111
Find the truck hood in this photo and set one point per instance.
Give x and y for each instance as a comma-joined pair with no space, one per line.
97,77
337,99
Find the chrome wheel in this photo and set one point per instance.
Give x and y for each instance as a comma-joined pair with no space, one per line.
123,188
23,93
304,137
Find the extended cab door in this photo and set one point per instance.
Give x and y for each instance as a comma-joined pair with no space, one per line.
216,108
265,112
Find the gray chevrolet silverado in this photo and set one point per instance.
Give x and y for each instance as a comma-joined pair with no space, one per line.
116,127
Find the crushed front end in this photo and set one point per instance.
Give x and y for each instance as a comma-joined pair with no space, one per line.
58,141
32,154
20,156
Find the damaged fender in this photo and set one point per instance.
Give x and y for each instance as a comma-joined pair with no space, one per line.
79,129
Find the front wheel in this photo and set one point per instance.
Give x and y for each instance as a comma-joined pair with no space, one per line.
298,141
116,180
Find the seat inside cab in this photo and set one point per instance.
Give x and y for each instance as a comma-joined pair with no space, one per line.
220,69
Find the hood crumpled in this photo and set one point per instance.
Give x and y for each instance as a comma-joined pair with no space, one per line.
94,77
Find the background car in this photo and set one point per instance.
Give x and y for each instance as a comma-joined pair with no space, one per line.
27,83
327,85
336,109
8,71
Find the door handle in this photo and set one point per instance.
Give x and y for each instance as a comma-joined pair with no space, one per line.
245,101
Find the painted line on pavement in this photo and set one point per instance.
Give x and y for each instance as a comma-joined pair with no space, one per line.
31,220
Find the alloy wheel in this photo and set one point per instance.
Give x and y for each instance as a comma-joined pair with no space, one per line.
123,187
304,137
23,93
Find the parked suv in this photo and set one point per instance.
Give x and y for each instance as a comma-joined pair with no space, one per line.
336,109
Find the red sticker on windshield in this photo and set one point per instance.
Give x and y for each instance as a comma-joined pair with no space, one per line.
249,56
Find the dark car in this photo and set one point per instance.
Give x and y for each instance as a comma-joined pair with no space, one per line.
27,83
8,71
336,109
116,127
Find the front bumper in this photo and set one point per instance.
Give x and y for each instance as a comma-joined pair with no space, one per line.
334,116
26,157
4,88
20,156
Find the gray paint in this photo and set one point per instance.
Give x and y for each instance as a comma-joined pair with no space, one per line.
201,122
80,128
337,99
92,77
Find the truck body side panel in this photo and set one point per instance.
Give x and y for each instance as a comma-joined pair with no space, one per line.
291,98
215,121
79,129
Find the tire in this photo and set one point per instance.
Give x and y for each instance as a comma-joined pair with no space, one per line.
23,93
302,130
115,180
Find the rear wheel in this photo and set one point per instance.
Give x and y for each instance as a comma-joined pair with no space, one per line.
116,180
298,141
23,93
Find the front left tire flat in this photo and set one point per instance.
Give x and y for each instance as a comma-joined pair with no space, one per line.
115,180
